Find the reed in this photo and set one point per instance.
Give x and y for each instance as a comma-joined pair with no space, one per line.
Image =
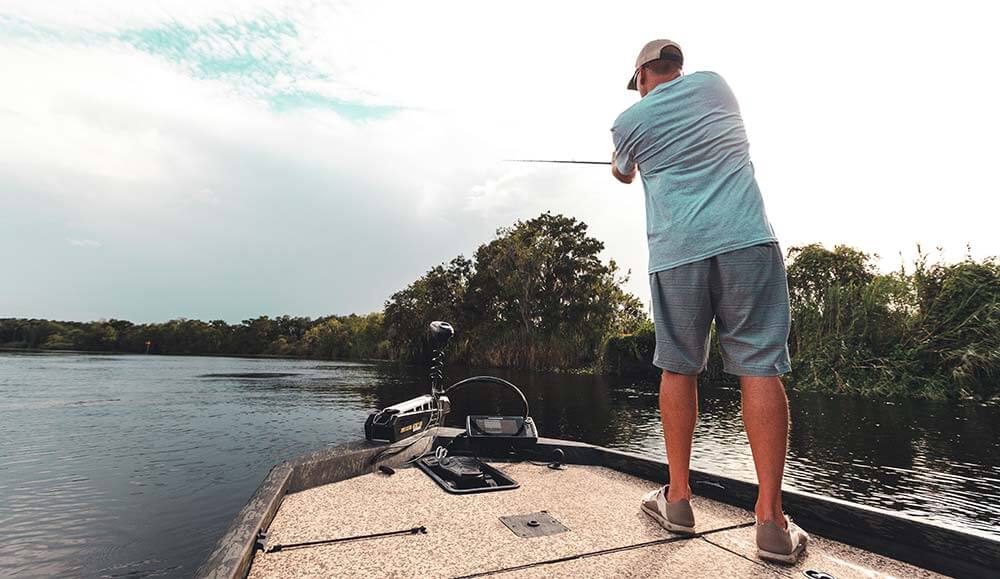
930,333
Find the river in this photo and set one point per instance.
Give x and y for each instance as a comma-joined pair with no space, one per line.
119,465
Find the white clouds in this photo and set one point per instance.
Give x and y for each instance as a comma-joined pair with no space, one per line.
117,14
83,243
861,133
103,112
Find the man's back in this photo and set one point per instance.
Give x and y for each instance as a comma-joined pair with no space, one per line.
688,140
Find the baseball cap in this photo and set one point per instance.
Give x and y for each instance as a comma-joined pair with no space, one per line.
654,50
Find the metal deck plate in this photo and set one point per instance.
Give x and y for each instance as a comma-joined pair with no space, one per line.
531,525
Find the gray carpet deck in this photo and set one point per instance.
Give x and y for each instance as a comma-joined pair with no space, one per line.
465,535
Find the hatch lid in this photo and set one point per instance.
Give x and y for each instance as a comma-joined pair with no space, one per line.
531,525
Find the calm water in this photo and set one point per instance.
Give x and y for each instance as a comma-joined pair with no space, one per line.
134,465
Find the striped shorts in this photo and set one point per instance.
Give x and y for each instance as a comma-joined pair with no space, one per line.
745,292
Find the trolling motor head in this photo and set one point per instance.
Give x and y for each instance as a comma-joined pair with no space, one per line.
440,333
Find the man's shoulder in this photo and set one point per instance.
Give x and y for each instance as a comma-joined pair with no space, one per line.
633,115
706,77
710,80
628,118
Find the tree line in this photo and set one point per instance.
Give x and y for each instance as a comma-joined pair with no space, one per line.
538,296
327,337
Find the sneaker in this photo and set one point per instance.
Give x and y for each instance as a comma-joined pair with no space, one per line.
782,545
676,517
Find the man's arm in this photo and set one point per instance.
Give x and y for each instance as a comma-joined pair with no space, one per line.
624,178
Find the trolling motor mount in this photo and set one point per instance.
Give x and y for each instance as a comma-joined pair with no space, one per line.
399,421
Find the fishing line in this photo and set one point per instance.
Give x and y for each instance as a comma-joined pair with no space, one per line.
557,161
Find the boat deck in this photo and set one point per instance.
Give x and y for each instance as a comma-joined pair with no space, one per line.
607,533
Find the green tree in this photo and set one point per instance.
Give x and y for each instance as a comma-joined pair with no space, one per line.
815,269
440,294
542,298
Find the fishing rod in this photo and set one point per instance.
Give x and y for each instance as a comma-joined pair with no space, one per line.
557,161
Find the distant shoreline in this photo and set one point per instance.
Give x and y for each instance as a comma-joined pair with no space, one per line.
590,371
247,356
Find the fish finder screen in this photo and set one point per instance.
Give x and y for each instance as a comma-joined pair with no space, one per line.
497,426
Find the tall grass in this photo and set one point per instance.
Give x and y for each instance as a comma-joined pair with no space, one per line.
931,333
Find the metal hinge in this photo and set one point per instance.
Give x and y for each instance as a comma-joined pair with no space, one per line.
261,542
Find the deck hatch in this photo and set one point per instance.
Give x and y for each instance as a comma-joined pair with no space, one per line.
531,525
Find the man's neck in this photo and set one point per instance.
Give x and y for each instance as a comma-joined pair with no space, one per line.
663,80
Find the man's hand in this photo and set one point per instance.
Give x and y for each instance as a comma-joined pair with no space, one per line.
614,171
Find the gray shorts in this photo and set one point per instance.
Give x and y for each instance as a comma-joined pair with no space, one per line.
745,291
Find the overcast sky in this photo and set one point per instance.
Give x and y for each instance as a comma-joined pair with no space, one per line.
214,159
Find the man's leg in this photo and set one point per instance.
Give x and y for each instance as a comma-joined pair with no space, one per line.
682,317
679,412
753,318
765,415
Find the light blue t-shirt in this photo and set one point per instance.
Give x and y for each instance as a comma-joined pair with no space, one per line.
688,139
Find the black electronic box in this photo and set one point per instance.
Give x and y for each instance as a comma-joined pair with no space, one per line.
501,431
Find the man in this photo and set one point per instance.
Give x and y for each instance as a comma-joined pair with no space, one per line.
712,254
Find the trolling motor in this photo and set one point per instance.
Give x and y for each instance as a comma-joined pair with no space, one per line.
492,435
405,419
485,433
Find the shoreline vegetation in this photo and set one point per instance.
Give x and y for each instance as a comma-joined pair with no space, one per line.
538,297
